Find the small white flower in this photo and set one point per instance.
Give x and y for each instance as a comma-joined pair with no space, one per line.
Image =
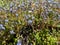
30,11
12,32
33,17
18,5
19,40
3,28
6,20
50,4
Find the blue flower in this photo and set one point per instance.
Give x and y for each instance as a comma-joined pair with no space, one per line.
50,1
19,42
23,4
30,21
2,27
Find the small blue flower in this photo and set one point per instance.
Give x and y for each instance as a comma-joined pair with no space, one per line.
30,11
30,21
19,42
50,1
2,27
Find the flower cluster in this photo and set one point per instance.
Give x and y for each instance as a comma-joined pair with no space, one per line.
24,19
